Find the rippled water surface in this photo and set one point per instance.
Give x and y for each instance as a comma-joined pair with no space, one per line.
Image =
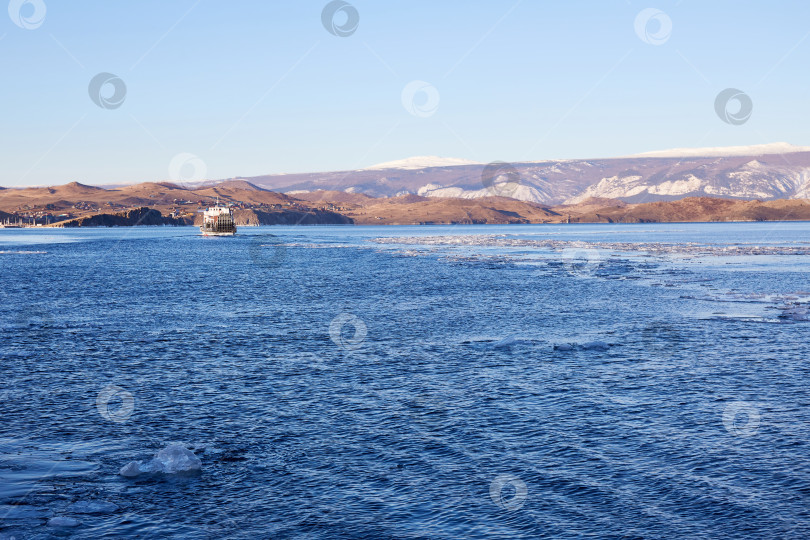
619,381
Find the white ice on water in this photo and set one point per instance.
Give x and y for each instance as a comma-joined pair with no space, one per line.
587,346
508,342
486,344
656,263
795,312
173,459
505,342
656,248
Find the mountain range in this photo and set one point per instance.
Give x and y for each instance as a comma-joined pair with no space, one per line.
766,182
765,172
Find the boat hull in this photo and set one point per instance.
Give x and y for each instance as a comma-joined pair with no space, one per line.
217,233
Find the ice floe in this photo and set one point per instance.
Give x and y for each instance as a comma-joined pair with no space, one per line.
587,346
493,344
656,264
505,342
64,522
174,459
656,248
92,507
508,342
756,307
795,312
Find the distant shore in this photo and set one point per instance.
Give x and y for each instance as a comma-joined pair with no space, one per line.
77,205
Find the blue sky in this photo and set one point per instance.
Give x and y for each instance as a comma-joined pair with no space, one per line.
262,87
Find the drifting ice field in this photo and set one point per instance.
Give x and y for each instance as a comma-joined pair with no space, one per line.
406,382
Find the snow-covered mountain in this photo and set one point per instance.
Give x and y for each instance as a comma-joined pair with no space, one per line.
421,162
771,171
727,151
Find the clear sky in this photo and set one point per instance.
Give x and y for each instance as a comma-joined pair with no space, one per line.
259,87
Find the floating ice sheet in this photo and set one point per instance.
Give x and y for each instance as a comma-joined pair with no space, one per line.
92,507
63,522
174,459
657,248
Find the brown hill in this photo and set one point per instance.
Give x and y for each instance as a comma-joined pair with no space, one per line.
691,209
334,197
12,198
78,199
412,209
240,184
287,217
75,187
234,195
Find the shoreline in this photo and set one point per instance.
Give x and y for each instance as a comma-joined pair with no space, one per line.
581,223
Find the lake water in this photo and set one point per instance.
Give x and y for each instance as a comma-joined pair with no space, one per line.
618,381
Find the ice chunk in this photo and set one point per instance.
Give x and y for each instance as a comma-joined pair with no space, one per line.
595,346
63,522
131,470
587,346
491,344
176,458
173,459
92,507
795,312
24,511
505,343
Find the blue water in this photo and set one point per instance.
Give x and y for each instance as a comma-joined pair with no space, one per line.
622,381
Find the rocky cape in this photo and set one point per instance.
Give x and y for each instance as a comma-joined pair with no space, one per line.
130,218
243,218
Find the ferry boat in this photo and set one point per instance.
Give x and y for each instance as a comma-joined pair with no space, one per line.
218,221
